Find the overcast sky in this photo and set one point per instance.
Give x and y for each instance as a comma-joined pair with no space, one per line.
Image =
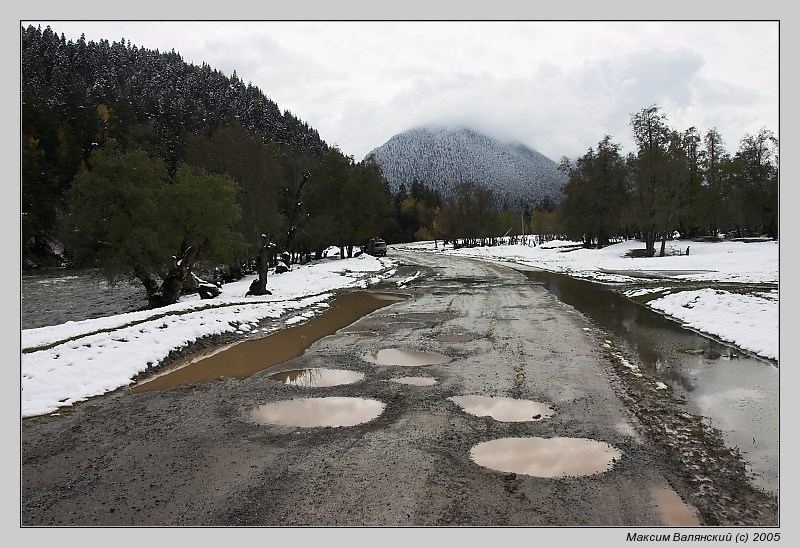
556,86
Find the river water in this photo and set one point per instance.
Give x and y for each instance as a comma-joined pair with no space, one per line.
58,296
738,396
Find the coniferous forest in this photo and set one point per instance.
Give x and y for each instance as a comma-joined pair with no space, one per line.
135,161
680,182
149,168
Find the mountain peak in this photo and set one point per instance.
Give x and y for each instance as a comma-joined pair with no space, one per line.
443,156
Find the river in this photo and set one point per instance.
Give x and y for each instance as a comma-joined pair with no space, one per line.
58,296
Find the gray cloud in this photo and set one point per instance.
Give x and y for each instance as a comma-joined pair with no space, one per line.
558,87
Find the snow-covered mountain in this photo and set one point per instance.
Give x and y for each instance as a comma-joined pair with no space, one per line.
442,157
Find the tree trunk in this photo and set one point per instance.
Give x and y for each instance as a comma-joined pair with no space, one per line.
650,241
259,285
294,214
153,294
205,289
172,285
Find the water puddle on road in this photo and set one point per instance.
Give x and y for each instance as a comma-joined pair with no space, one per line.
739,395
674,512
415,381
405,358
313,412
454,338
317,376
546,457
245,358
503,409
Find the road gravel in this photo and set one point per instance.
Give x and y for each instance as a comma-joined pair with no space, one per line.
194,455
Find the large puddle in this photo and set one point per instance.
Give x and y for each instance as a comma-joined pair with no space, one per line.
739,396
245,358
503,409
312,412
546,457
405,358
674,512
317,376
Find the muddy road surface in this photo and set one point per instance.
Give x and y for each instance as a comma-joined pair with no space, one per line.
472,397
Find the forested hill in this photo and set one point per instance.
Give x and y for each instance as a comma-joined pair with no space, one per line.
442,158
141,85
77,96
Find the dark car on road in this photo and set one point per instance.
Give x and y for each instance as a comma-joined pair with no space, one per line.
375,246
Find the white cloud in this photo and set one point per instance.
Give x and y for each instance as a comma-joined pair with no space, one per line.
556,86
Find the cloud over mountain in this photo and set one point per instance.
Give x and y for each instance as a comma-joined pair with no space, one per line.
442,157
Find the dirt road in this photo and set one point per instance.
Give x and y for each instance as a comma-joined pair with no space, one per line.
202,455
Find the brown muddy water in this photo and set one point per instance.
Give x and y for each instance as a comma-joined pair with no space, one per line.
546,457
738,396
674,512
315,377
242,359
332,411
503,409
405,358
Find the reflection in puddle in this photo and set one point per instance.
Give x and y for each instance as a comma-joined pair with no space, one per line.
504,409
454,338
659,345
546,457
250,356
674,512
332,411
406,358
415,381
317,376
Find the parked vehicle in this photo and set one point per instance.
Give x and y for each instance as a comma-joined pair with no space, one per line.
375,247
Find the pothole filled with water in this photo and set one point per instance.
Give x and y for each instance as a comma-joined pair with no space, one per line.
310,412
317,376
674,512
546,457
405,358
503,409
415,381
454,338
242,359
